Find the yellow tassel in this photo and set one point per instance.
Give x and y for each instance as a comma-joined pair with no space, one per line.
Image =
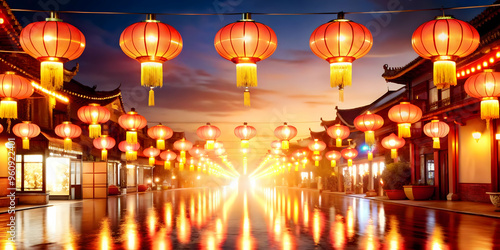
131,137
131,155
26,143
191,167
303,165
246,75
183,154
333,163
338,142
435,143
370,156
404,130
104,155
394,153
151,100
181,166
489,108
152,74
369,138
341,94
445,74
245,144
316,163
340,74
160,144
52,102
94,130
210,144
246,98
8,108
296,168
52,75
285,144
68,144
151,161
166,165
349,162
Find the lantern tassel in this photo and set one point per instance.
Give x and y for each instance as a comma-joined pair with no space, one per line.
181,166
340,74
131,137
160,144
52,75
285,144
489,108
316,163
210,144
333,163
8,108
131,155
246,75
104,154
183,154
68,144
166,165
246,98
303,165
151,161
370,156
349,162
338,142
94,130
445,74
435,143
370,138
245,144
26,143
404,130
341,94
152,74
151,100
394,153
191,168
296,168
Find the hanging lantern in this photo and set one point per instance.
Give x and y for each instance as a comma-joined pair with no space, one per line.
68,131
276,144
485,86
436,129
316,146
130,150
393,143
245,43
209,133
285,133
192,162
340,42
316,159
349,154
104,143
368,123
168,156
151,152
338,132
13,88
26,130
1,128
181,162
151,43
370,155
245,133
53,42
404,114
132,122
95,115
197,151
443,41
182,146
160,133
333,156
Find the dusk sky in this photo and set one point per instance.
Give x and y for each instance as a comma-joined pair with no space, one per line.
200,86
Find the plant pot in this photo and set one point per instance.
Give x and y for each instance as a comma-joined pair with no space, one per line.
142,188
495,200
417,192
396,194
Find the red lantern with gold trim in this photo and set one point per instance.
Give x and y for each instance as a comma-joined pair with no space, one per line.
151,43
245,43
130,150
131,121
404,114
53,42
94,114
26,130
333,156
245,132
338,132
12,88
104,143
197,151
160,133
349,154
485,86
316,146
340,42
182,146
168,156
316,159
444,40
151,152
209,133
68,131
368,123
285,133
436,129
393,143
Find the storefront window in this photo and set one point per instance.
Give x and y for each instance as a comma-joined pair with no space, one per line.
58,175
131,176
33,172
427,169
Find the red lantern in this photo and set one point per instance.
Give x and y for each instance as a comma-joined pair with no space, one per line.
393,142
209,133
104,143
130,150
151,43
436,129
53,42
340,42
285,133
197,151
68,131
132,122
349,154
26,130
160,133
1,128
94,114
245,133
316,159
182,146
444,40
339,133
368,123
181,160
192,161
245,43
151,152
333,156
13,88
316,146
404,114
485,86
168,156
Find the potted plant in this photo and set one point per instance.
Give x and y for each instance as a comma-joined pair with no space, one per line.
394,177
419,191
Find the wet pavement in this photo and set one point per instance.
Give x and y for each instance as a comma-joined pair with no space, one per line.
228,218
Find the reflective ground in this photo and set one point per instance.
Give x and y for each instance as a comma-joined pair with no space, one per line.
246,219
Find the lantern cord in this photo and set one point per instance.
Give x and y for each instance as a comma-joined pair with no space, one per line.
263,13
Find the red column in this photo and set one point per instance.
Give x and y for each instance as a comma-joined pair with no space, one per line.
437,175
413,163
453,161
494,157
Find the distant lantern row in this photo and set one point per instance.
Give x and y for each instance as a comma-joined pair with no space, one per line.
245,43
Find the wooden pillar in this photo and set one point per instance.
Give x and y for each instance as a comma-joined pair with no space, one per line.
413,163
453,161
437,175
494,157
